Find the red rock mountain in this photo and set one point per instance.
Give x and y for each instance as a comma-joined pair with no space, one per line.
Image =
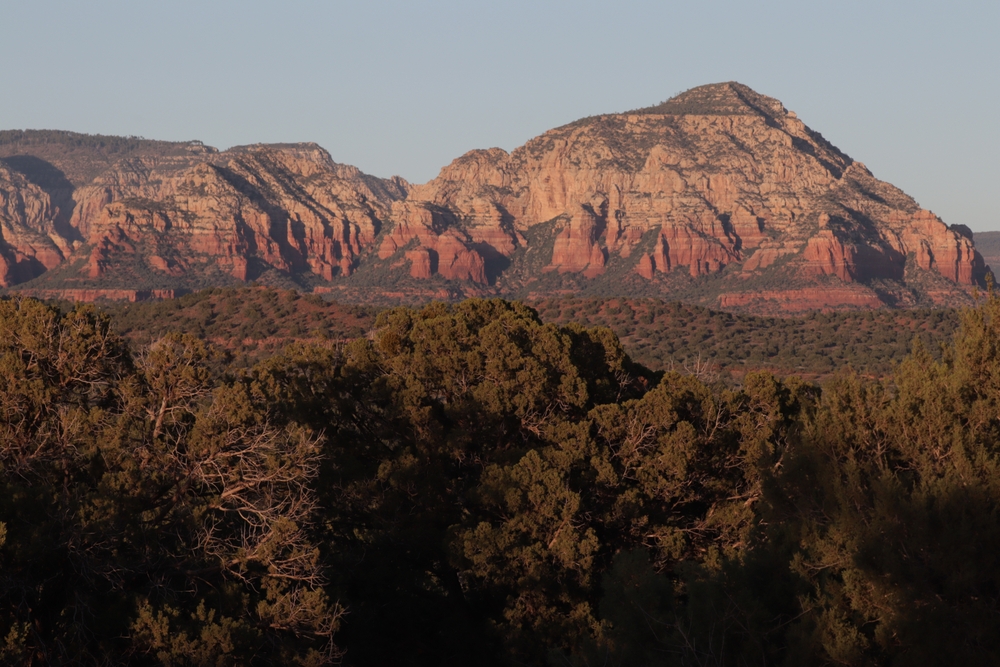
719,195
158,211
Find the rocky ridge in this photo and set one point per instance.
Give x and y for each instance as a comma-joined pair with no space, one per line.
719,195
197,213
719,181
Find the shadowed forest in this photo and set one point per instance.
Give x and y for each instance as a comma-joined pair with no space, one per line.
252,323
476,484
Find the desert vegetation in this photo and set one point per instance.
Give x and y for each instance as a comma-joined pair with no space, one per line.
672,335
474,484
248,323
254,322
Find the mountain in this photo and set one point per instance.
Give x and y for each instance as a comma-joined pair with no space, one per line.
97,212
719,195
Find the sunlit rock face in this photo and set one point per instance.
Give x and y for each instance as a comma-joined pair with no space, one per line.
720,185
178,209
716,177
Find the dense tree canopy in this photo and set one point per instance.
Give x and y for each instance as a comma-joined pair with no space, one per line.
148,511
469,485
256,322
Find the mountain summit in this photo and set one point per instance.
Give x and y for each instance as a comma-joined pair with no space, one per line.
718,99
718,195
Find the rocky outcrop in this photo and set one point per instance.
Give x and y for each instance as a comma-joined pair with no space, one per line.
717,177
432,245
827,255
576,247
719,186
941,249
196,212
29,243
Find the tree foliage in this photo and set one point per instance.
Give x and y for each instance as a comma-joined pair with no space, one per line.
472,485
148,513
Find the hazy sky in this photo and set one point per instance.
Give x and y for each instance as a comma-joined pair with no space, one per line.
911,89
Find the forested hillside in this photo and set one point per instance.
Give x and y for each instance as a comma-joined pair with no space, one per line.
468,484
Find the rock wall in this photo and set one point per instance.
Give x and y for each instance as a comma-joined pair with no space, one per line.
29,243
290,208
719,181
720,176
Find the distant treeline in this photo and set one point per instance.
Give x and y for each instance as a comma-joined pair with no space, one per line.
662,335
468,484
108,143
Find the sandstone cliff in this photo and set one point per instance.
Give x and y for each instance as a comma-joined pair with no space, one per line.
717,181
29,244
167,213
719,195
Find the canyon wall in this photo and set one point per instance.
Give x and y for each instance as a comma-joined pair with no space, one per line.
718,178
719,186
289,207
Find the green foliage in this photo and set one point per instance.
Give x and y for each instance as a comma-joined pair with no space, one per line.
895,500
694,339
250,322
523,457
149,510
658,334
475,485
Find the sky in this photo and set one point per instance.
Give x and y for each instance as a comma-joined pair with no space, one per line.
403,87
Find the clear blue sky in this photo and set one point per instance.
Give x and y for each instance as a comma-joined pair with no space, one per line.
911,89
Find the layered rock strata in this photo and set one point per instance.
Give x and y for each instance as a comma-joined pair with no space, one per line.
719,185
717,177
29,243
287,207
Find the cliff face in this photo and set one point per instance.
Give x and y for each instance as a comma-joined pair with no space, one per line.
195,213
718,179
289,208
719,194
29,243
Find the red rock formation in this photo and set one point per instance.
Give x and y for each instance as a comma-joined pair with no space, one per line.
646,267
941,249
457,262
826,255
29,243
701,253
719,175
289,207
717,181
454,249
576,248
421,265
661,256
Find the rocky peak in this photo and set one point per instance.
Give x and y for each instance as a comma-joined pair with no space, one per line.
718,99
719,194
719,180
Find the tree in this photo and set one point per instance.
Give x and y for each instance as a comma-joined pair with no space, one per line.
150,510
